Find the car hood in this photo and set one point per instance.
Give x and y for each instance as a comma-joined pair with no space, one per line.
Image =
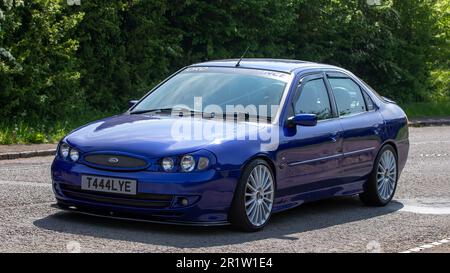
156,136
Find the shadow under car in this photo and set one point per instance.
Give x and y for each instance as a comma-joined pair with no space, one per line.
307,217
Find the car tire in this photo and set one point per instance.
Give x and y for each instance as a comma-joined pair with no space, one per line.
254,196
380,188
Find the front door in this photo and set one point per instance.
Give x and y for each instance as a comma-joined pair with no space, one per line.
311,155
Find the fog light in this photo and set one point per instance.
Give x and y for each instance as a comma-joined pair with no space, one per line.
184,202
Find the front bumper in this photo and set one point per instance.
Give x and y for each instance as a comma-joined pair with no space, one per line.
210,194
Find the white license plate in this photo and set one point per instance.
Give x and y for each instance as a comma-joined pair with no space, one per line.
108,184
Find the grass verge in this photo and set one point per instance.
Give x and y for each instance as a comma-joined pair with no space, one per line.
38,132
427,109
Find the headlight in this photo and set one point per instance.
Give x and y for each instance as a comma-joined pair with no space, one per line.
203,163
74,155
64,150
187,163
167,164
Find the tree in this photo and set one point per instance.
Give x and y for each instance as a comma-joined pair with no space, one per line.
38,82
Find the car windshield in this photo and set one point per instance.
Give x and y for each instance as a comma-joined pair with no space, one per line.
219,91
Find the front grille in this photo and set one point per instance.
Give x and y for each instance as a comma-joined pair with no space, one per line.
115,161
140,200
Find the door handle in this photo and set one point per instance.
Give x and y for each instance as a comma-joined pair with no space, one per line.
334,136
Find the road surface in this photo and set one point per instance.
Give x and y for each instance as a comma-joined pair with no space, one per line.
419,215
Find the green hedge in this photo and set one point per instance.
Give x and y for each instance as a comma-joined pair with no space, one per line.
57,61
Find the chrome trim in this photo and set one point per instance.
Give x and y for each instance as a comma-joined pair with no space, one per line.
353,115
328,119
330,157
359,151
314,160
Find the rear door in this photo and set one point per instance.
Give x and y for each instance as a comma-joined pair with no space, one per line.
361,123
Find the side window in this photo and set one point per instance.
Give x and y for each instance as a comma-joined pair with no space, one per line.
348,95
314,99
369,102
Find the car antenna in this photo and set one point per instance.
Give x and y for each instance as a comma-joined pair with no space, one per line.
245,52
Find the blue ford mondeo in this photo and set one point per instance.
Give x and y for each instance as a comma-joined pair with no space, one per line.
233,141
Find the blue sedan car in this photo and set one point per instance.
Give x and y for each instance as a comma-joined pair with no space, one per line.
233,141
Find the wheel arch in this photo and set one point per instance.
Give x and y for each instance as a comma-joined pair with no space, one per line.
267,159
391,143
387,142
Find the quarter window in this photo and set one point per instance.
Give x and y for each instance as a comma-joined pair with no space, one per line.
349,98
314,99
369,102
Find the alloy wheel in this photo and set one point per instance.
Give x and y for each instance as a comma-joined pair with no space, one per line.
387,175
259,195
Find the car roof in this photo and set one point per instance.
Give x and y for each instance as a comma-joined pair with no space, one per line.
280,65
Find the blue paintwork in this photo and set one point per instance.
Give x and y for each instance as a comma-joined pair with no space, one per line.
302,120
333,158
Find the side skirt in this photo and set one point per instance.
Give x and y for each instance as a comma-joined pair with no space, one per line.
291,201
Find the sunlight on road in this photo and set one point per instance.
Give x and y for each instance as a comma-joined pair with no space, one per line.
426,206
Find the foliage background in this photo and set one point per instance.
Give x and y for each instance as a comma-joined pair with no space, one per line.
63,65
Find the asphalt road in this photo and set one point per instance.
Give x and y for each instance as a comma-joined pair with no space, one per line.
419,214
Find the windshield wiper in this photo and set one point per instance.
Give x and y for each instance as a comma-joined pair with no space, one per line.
158,110
247,116
236,115
173,110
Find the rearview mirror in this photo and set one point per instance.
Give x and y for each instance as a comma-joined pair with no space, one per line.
302,120
131,103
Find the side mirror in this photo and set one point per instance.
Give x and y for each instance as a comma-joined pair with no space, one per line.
302,120
131,103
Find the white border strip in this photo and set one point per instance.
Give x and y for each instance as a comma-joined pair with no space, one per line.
427,246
